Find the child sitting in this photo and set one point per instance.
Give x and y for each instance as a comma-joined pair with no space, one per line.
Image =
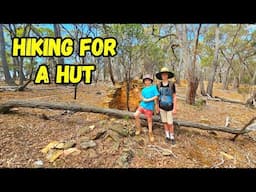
148,95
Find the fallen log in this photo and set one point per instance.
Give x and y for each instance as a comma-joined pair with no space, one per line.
244,128
5,108
216,98
15,88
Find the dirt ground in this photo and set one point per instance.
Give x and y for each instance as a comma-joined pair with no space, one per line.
25,132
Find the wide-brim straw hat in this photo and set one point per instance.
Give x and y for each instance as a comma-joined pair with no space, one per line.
164,70
147,76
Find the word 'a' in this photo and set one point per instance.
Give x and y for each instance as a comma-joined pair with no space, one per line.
65,74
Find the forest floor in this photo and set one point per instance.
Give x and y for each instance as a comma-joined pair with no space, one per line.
25,132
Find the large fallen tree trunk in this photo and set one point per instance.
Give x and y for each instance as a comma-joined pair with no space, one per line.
229,101
5,108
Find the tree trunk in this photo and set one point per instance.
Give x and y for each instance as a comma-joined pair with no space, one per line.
21,72
57,33
4,108
7,75
15,68
191,91
235,84
226,79
214,63
251,102
193,80
253,81
109,58
201,84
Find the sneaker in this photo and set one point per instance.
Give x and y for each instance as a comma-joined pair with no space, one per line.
167,139
151,137
173,141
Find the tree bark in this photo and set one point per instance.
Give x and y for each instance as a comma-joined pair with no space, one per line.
214,63
5,107
109,59
226,79
202,90
7,75
21,72
193,80
57,33
235,84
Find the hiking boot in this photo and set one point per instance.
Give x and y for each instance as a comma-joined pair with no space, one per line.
167,139
173,141
138,131
151,137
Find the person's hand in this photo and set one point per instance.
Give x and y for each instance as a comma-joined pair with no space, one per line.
174,111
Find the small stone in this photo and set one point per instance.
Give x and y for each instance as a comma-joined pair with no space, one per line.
73,151
53,155
92,153
99,134
112,119
140,141
38,164
65,145
88,144
125,158
84,139
113,136
83,130
91,127
49,146
120,130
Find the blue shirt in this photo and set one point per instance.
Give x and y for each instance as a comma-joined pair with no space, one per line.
149,92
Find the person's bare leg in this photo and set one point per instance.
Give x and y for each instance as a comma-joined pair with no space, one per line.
166,129
150,129
171,129
137,122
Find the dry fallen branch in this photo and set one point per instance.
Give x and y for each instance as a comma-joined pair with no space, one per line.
5,108
163,151
220,163
244,128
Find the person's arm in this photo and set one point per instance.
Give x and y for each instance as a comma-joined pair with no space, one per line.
174,111
157,105
150,99
174,103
